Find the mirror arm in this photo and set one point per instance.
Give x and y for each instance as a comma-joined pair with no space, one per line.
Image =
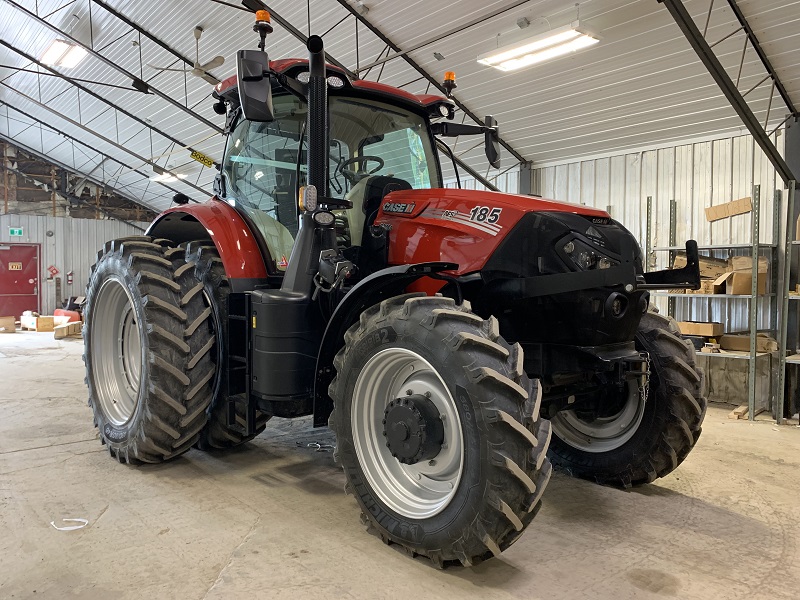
455,129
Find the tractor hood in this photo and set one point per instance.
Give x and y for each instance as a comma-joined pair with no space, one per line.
464,226
416,201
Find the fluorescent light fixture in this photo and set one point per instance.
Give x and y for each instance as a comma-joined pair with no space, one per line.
166,177
531,50
55,52
73,56
63,54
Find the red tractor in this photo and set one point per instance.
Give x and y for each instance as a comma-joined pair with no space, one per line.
441,333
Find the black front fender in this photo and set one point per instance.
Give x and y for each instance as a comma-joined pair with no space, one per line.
368,292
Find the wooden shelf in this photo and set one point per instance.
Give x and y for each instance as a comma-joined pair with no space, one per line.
674,295
715,247
738,355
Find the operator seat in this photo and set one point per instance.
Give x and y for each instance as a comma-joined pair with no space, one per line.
366,196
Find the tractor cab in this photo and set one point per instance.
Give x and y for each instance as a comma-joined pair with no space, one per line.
379,141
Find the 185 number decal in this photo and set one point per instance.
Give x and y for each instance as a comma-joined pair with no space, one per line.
485,214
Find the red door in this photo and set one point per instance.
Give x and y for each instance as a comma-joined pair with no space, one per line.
19,279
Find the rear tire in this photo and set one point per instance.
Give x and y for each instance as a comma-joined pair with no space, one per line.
461,506
146,353
201,272
667,428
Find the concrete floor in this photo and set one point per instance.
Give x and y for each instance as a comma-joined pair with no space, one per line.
270,520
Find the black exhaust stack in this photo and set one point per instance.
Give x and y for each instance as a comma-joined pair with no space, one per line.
304,261
317,124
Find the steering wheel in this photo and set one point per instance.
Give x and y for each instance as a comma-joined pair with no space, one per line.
355,176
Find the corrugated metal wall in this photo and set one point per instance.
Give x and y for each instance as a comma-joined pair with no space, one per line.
505,180
72,246
696,175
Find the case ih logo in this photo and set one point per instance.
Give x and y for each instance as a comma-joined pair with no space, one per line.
398,207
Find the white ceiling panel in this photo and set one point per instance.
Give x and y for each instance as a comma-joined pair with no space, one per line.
641,86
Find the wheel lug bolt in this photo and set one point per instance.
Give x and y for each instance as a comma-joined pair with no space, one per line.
409,392
431,463
427,394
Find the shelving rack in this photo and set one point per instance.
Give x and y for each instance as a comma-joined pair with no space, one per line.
789,259
776,292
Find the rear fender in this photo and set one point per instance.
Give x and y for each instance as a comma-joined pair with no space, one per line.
220,223
368,292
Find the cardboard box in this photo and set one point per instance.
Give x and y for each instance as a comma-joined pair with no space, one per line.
703,329
36,323
741,343
710,268
745,263
8,325
739,283
729,209
706,287
68,329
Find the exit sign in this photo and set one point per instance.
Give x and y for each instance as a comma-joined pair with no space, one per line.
15,231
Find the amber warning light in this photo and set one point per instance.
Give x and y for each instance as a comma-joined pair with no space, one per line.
449,82
263,15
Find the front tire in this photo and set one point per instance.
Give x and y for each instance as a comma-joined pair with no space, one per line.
458,488
646,439
146,353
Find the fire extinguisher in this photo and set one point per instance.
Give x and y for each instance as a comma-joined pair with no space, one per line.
69,278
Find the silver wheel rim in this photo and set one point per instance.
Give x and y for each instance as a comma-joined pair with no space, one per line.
116,352
605,433
424,489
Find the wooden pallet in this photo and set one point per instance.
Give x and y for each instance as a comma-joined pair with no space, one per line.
68,329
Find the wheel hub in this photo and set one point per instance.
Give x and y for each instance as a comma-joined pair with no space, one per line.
413,429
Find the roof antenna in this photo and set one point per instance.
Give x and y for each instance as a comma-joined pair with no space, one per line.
262,27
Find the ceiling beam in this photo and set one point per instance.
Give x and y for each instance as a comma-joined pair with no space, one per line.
24,147
82,143
117,145
728,87
426,75
61,76
99,97
108,62
252,6
446,34
763,56
71,197
144,32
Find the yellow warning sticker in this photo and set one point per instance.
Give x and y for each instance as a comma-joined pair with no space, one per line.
202,158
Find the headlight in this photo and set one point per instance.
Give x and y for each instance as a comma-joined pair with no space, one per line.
335,82
585,257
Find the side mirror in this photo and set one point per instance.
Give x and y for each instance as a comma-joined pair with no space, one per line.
255,89
492,141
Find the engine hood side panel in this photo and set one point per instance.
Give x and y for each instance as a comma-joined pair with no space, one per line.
460,226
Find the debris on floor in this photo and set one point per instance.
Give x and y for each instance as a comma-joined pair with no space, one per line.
82,523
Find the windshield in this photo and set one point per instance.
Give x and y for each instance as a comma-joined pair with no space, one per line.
263,161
